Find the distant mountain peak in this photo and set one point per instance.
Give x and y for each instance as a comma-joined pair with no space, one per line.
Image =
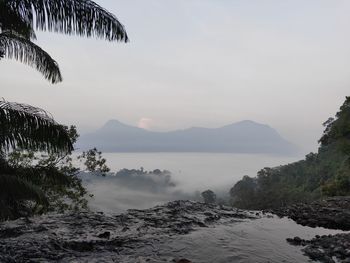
246,136
246,124
113,122
113,125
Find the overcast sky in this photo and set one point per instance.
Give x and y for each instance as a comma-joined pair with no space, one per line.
200,63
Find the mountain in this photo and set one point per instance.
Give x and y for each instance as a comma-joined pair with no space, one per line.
241,137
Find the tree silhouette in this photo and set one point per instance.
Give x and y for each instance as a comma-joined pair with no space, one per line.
209,196
27,127
19,19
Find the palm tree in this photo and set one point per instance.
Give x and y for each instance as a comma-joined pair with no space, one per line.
24,126
18,20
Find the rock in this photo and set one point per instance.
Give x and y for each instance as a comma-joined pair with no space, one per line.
94,237
331,213
314,253
106,235
325,248
294,241
183,261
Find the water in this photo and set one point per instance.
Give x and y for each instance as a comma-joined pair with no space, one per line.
199,171
260,241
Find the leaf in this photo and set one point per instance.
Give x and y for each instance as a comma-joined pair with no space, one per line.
11,21
18,189
27,127
13,46
73,17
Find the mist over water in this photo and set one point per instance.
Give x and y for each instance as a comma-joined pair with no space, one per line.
190,172
199,171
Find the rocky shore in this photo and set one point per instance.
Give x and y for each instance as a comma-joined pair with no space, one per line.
327,248
140,235
332,213
94,237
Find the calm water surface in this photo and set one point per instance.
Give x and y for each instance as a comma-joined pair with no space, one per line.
250,241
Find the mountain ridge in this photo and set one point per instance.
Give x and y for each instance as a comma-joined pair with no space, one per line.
240,137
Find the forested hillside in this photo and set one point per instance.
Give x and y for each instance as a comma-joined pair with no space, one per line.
325,173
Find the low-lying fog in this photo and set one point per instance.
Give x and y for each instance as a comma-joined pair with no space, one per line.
189,174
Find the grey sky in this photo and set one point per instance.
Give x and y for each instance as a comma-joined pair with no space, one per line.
200,63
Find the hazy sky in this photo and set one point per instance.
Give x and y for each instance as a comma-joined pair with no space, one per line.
200,63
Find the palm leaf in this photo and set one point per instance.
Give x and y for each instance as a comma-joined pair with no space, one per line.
11,21
14,192
26,127
77,17
16,47
18,189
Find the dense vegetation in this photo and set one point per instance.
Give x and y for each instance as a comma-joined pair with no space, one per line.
36,170
325,173
209,196
35,182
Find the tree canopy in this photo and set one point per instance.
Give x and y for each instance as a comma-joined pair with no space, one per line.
325,173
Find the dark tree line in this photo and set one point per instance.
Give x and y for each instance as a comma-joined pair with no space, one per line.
325,173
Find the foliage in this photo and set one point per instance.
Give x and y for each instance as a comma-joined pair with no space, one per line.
26,127
19,48
140,179
36,182
48,180
94,161
337,130
19,19
72,17
326,173
28,183
209,196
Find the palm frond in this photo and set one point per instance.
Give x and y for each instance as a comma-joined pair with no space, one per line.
13,187
12,21
16,47
77,17
27,127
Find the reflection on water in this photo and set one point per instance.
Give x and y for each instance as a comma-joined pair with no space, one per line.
262,240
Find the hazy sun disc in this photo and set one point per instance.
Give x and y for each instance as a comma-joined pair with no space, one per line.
145,123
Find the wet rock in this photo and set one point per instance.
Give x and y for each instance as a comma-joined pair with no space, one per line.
327,247
295,241
333,213
183,261
80,246
11,232
314,253
95,237
106,235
